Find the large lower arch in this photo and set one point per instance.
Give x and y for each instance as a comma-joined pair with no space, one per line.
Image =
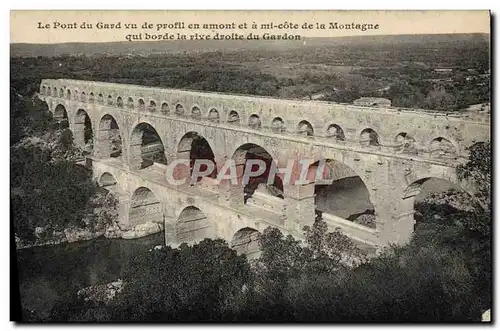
429,193
60,113
340,191
246,241
146,147
109,139
249,155
82,132
145,207
192,147
61,116
193,226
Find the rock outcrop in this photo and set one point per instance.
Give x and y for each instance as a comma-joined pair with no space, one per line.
102,293
143,230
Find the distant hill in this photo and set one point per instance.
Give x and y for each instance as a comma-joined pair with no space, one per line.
179,46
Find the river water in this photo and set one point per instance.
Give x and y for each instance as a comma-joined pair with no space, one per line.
48,272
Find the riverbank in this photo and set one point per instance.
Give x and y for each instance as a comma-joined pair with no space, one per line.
49,274
47,237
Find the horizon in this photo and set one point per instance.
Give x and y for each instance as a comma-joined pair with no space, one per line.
305,38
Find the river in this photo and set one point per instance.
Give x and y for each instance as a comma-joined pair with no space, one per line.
47,273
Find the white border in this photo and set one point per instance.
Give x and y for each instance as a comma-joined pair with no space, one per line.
213,4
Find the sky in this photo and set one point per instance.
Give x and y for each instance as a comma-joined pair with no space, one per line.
46,27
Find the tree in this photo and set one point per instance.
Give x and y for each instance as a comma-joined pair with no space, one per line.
440,99
478,171
190,283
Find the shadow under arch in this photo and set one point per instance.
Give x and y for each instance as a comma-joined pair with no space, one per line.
241,157
340,191
60,113
83,133
193,146
233,117
442,147
246,241
145,207
434,194
146,147
369,137
109,138
193,226
107,181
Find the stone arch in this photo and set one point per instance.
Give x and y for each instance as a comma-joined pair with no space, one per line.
335,132
254,122
119,102
443,147
60,113
145,207
165,109
146,147
68,94
278,125
246,241
195,112
107,181
109,138
44,90
341,192
179,109
100,99
83,97
76,95
369,137
416,193
193,226
61,93
44,106
152,106
405,143
305,128
82,132
110,100
192,146
141,105
250,151
130,103
91,97
54,91
213,115
233,117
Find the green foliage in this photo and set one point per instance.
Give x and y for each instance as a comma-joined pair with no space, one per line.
191,283
47,189
47,194
478,171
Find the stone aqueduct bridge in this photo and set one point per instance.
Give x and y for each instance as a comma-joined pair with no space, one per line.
393,152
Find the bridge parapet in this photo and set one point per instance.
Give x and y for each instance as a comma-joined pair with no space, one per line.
328,121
